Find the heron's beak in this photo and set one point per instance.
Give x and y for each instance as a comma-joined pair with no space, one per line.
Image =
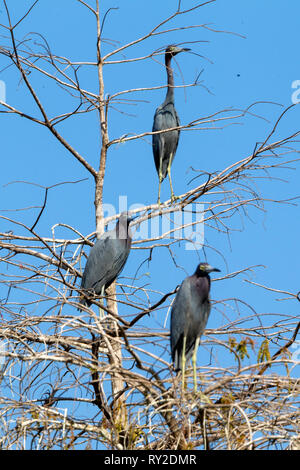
183,49
180,49
210,269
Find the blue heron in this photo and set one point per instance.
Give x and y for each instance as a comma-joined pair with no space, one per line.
106,259
189,315
165,144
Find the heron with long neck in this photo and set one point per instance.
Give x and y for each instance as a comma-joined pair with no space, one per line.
165,144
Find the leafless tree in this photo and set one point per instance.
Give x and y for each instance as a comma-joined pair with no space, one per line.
73,380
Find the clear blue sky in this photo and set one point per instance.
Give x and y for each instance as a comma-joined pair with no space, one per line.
261,66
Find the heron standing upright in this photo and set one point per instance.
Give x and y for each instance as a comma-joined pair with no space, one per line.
189,315
165,144
106,259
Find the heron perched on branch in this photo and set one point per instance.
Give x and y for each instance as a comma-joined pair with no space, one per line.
106,259
189,315
165,144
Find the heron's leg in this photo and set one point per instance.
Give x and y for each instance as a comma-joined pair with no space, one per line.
194,361
183,362
159,185
173,197
101,311
160,178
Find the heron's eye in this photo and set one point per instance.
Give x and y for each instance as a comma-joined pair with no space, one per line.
202,267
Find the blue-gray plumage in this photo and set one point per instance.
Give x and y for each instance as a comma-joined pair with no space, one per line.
189,315
107,259
165,144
